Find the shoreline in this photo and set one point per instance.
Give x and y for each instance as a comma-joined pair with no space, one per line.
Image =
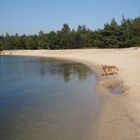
119,117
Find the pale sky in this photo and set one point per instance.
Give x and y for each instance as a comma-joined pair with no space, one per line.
31,16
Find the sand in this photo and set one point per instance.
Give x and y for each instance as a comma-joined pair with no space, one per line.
119,116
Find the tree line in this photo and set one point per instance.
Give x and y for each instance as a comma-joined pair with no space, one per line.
113,35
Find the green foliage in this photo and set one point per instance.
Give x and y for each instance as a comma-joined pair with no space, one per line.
113,35
42,40
53,40
108,37
64,35
136,31
31,42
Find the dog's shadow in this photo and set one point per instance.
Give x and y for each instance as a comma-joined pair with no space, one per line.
108,74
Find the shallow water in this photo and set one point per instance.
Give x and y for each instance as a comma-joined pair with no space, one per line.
116,90
45,99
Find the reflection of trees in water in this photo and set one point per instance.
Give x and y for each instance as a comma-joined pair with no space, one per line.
75,70
66,69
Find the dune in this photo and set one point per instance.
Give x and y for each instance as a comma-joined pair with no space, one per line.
119,116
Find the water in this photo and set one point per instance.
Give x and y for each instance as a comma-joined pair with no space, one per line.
116,90
45,99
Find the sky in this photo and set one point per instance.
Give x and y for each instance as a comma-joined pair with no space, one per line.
32,16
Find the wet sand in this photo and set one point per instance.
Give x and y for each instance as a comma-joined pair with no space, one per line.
119,116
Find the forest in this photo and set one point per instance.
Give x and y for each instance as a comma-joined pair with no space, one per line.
112,35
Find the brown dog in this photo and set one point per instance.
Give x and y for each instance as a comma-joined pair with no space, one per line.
110,69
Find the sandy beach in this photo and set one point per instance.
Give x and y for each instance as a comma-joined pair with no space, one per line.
119,117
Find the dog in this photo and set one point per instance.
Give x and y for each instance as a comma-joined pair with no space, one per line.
110,69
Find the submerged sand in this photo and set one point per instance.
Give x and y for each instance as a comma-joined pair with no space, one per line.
119,117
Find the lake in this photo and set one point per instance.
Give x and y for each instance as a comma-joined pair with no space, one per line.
46,99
